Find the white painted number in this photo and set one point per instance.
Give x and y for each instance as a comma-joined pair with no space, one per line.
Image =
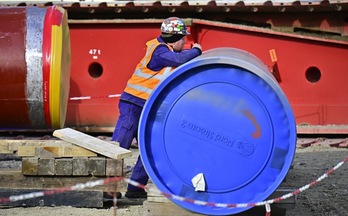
95,53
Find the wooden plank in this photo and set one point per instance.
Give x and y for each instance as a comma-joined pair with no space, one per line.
10,146
43,153
75,151
91,143
33,151
88,199
14,144
26,151
54,151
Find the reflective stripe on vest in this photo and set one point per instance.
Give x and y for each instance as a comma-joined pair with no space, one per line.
144,80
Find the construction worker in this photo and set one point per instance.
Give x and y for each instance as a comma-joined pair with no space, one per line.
163,54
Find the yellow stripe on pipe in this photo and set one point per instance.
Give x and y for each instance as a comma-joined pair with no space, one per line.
60,72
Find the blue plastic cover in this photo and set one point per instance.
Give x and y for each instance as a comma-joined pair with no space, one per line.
223,116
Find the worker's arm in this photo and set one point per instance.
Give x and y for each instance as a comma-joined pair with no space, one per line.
164,57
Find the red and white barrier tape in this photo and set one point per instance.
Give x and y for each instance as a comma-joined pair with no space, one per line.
107,181
242,205
90,97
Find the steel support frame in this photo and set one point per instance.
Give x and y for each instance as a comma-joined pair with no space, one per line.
310,70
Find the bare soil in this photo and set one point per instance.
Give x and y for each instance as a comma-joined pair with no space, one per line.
326,198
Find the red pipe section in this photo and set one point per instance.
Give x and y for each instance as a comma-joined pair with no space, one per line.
34,67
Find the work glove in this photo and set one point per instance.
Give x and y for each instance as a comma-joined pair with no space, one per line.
198,46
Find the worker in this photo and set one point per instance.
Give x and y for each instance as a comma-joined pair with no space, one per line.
163,54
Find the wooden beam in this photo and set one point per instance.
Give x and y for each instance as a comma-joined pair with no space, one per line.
77,166
91,143
13,145
4,148
14,178
80,166
114,167
96,166
55,151
30,166
85,198
46,167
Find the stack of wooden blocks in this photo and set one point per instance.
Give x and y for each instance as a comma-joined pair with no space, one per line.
75,154
71,159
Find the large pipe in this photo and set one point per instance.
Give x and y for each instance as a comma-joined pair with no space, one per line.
218,129
34,67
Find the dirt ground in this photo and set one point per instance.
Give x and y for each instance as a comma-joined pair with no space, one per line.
326,198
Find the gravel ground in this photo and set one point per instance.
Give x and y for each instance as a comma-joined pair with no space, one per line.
326,198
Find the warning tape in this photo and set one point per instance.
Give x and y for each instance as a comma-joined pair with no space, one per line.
109,180
90,97
243,205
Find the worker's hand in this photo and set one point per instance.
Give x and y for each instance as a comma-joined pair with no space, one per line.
197,45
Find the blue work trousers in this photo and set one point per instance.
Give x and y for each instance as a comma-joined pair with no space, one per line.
125,131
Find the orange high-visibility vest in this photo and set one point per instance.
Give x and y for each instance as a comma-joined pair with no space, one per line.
144,80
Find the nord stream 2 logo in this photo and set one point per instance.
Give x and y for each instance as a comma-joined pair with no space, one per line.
217,137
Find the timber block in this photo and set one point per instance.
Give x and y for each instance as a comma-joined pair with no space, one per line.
63,166
80,166
96,166
86,198
46,166
114,167
30,166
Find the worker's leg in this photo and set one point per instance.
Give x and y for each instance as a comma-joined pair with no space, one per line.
138,175
126,128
